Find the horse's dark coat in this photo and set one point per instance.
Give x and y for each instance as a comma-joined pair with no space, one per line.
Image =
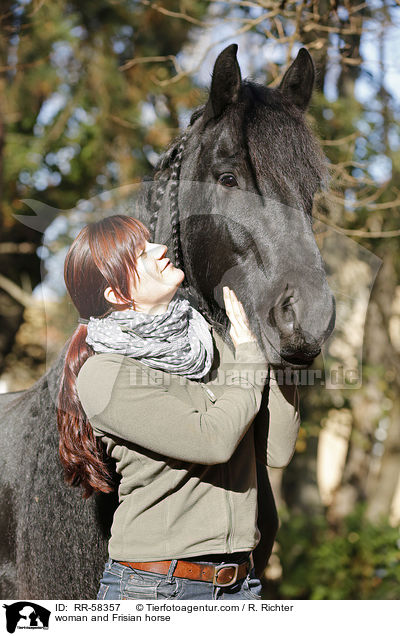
54,544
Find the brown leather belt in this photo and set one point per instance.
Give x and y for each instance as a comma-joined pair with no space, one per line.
221,575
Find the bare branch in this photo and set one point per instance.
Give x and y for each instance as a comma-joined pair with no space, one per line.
6,15
375,195
244,29
339,142
299,12
123,122
153,58
19,67
172,14
37,5
311,26
339,171
360,233
385,206
15,292
360,203
357,8
351,61
17,248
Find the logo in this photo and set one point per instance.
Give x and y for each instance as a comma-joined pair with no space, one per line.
23,615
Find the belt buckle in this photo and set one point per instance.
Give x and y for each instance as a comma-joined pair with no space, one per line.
218,568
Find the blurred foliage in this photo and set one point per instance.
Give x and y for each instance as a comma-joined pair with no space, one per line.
72,110
356,560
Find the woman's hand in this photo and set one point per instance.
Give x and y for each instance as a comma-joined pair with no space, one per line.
240,328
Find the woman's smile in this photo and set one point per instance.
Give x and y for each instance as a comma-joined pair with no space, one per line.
167,265
158,279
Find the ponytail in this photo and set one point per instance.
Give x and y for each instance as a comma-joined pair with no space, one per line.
103,254
81,453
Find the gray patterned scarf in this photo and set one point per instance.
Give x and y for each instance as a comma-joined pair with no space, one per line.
178,341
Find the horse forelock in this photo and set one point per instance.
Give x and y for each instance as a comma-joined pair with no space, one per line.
282,148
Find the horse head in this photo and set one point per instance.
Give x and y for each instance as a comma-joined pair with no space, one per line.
242,181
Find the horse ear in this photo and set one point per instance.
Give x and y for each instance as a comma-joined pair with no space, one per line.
298,81
225,83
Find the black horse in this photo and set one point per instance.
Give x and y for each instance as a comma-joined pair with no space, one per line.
232,197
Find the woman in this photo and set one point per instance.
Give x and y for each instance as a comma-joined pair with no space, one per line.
184,448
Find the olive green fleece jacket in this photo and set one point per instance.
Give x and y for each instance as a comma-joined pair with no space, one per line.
185,450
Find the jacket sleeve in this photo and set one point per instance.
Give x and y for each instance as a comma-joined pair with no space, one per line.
277,425
122,399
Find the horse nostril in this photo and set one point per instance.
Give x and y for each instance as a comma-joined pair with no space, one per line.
284,317
287,311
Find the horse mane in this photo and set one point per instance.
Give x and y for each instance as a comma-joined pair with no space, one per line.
167,171
282,146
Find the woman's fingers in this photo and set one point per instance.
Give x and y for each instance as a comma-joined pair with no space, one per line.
240,329
234,305
230,306
238,310
227,302
231,303
243,314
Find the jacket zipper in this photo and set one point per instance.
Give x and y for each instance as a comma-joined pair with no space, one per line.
213,399
210,394
230,515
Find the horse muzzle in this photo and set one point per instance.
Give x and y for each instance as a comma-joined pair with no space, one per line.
298,345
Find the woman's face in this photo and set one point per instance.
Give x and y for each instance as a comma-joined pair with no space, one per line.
159,280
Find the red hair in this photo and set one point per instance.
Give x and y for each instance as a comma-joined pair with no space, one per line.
102,255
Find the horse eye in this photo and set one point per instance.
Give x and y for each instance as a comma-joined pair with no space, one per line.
227,180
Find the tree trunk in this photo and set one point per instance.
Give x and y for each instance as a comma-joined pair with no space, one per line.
385,468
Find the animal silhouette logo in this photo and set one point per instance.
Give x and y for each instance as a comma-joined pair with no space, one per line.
26,615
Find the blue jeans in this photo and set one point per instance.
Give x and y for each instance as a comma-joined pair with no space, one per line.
122,582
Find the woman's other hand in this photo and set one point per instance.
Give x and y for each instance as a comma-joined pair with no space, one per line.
240,328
